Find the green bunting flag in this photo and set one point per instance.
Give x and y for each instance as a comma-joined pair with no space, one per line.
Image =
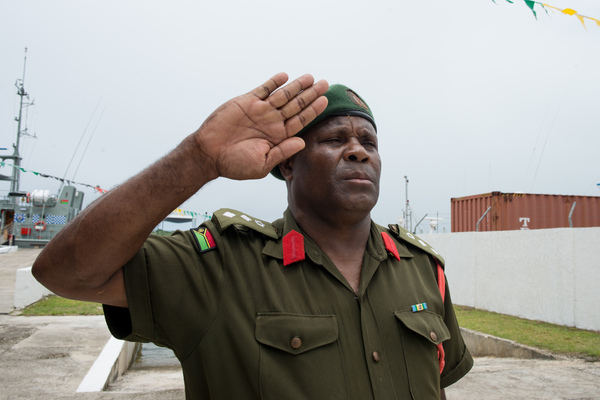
530,4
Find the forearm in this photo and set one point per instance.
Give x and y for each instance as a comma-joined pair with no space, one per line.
84,256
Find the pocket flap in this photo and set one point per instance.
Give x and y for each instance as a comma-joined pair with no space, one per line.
426,323
294,333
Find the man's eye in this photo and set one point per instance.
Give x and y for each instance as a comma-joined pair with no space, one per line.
370,144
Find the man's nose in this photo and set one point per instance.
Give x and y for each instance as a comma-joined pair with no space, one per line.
355,151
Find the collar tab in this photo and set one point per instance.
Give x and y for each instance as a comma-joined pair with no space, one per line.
390,246
293,248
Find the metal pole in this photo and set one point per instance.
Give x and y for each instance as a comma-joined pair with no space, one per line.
406,217
484,214
415,231
571,214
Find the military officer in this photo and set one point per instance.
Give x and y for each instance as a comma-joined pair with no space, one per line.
321,304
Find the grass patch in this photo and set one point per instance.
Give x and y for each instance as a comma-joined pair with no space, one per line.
554,338
55,305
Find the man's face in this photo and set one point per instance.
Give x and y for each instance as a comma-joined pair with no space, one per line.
339,169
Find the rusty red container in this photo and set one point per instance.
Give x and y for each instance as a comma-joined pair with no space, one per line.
513,211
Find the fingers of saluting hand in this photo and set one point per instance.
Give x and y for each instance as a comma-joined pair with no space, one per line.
305,107
287,93
265,90
295,101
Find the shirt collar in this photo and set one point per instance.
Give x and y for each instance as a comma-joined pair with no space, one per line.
283,226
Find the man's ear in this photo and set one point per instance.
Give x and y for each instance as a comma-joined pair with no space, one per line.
285,167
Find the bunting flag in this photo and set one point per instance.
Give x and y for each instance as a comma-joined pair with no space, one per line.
191,213
96,188
567,11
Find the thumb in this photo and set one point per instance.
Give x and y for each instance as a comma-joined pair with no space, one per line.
283,151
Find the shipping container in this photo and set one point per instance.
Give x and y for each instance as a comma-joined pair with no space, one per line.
513,211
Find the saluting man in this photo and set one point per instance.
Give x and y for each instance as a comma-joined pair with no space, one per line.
321,304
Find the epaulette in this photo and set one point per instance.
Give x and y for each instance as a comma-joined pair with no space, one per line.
226,217
402,234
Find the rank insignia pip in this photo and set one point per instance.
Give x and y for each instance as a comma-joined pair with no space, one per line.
204,239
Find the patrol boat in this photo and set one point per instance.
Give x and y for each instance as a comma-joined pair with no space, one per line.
31,219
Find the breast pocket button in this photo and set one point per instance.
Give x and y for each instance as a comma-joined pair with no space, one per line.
296,343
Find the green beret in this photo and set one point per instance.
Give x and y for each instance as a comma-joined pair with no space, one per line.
342,101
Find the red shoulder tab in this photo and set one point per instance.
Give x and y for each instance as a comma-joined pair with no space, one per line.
390,246
293,248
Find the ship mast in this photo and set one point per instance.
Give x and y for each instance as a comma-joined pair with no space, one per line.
16,157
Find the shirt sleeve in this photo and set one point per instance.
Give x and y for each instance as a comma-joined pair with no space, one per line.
167,281
458,359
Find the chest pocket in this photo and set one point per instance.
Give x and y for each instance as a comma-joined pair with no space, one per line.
420,332
426,324
300,357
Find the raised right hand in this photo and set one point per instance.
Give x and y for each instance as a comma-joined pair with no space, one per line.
249,135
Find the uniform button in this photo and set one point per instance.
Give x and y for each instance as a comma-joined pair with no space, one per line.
433,336
296,343
376,357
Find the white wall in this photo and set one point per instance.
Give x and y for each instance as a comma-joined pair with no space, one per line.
550,275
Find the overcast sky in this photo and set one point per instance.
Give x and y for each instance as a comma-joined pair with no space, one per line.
469,96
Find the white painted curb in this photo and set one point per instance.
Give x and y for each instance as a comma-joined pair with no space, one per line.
113,361
27,289
8,249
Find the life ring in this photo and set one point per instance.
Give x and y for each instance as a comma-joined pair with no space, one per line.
40,226
28,197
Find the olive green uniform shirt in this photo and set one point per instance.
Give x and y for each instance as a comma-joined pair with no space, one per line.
244,326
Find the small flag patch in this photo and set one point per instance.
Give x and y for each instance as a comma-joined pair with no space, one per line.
419,307
204,239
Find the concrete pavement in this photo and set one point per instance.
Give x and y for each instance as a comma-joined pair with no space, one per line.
48,357
509,378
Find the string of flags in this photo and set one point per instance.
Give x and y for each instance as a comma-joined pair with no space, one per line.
191,213
96,188
567,11
179,211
